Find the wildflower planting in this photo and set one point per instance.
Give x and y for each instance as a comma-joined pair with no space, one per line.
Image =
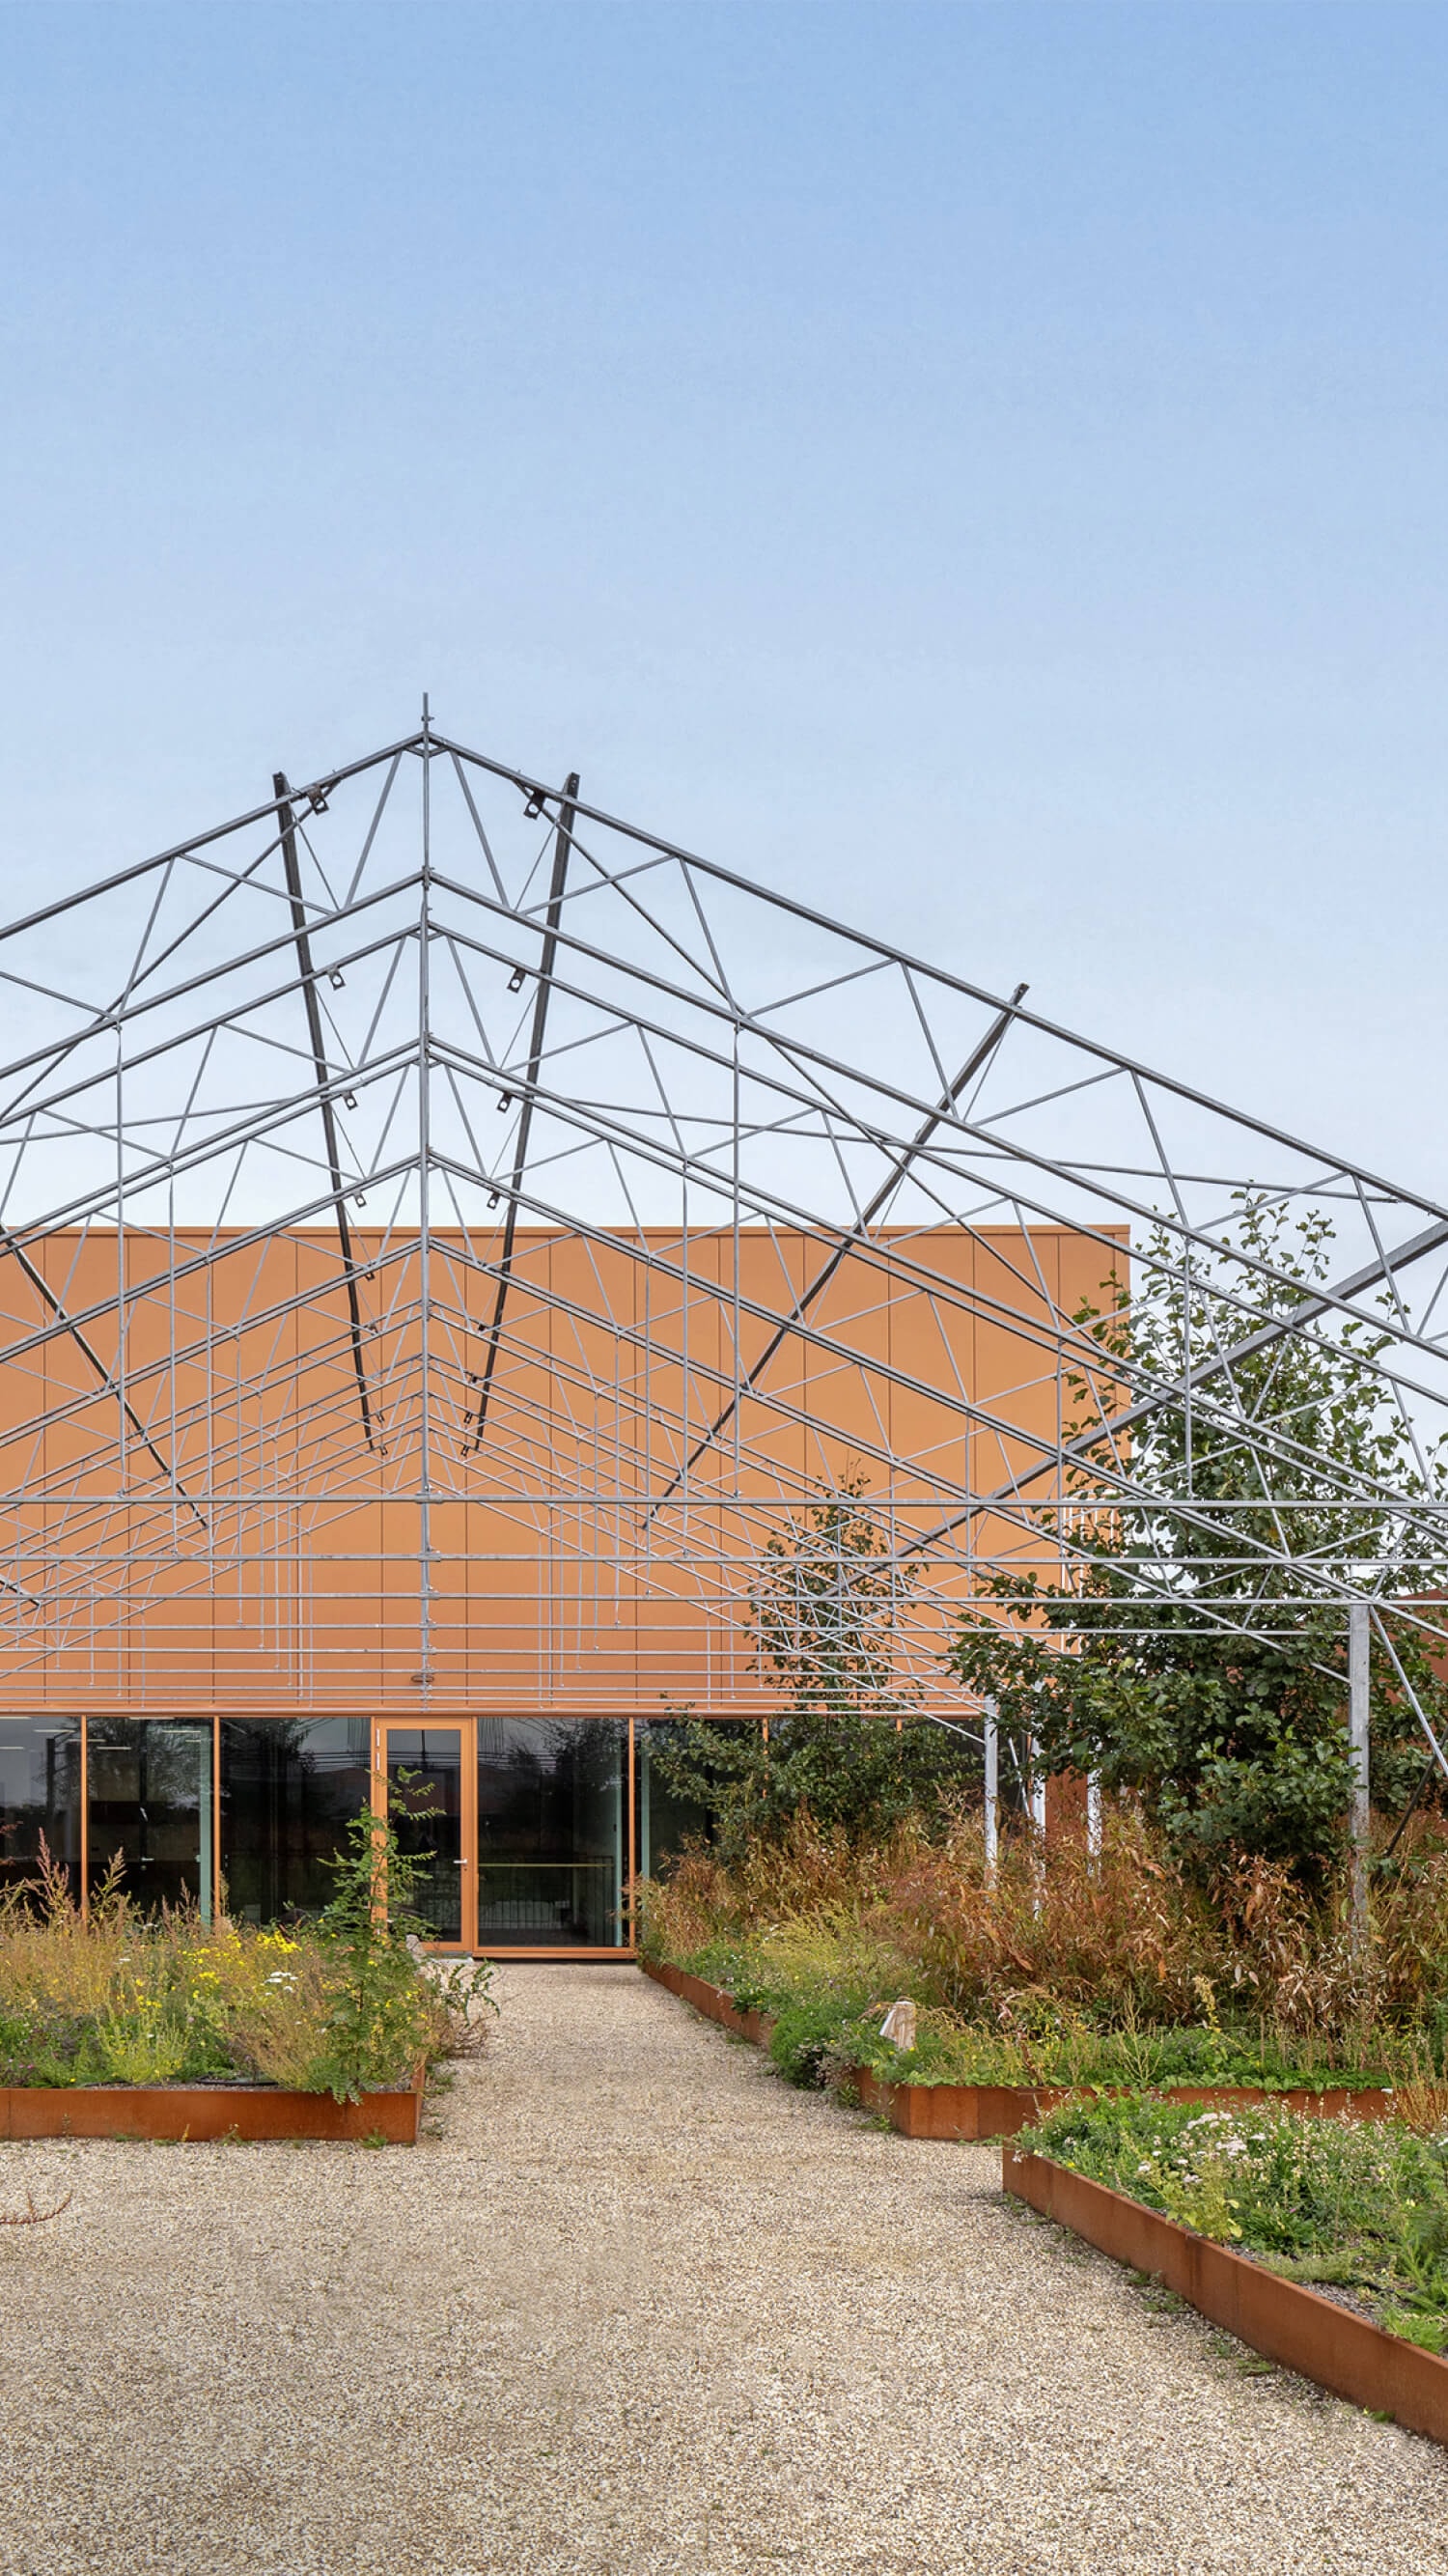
339,2006
1360,2212
1064,1967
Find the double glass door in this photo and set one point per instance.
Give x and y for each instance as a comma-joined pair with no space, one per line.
518,1829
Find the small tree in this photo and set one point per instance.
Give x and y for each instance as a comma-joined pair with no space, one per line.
1196,1653
850,1742
382,2017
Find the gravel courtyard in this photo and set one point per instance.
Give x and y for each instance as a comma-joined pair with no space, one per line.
637,2308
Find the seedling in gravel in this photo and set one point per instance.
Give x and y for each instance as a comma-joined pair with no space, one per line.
1248,2364
1154,2293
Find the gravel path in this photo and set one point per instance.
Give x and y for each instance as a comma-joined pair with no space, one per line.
635,2308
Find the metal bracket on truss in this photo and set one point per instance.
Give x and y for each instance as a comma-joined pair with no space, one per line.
562,843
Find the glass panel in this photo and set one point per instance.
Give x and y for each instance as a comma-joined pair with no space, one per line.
667,1821
39,1796
550,1832
288,1788
425,1793
149,1791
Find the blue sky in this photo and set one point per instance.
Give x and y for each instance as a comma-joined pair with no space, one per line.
982,468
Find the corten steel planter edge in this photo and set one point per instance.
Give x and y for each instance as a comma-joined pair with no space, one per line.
1282,2319
1325,2101
999,2110
941,2111
204,2114
711,2001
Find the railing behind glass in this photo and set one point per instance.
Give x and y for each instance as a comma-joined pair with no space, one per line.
571,1902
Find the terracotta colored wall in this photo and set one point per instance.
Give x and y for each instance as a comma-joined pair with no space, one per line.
191,1518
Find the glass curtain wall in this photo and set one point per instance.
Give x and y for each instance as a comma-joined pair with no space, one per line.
40,1789
555,1838
552,1833
149,1796
289,1788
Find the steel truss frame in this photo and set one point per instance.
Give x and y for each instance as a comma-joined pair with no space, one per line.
296,1112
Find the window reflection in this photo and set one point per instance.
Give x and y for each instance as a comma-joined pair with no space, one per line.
667,1820
39,1797
551,1855
289,1788
149,1795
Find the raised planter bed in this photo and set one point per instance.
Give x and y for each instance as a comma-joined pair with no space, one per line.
712,2002
1282,2319
999,2110
203,2113
952,2110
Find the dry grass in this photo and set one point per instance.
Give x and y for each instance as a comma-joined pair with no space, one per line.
1120,1937
124,1997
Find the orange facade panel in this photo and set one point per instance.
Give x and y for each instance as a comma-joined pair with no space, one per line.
562,1515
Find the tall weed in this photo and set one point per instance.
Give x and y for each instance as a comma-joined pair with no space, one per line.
121,1997
1063,1949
